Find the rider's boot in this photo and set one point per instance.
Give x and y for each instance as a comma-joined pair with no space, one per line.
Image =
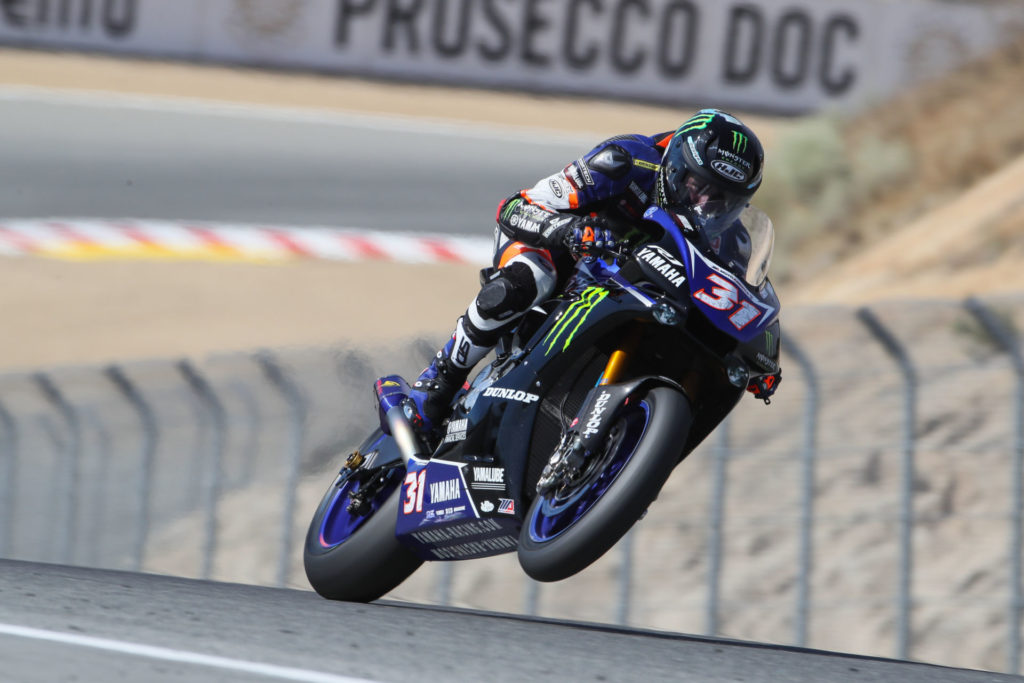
434,389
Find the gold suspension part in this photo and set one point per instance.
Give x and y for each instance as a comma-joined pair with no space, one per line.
615,368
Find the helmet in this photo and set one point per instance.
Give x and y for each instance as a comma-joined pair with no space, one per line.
710,169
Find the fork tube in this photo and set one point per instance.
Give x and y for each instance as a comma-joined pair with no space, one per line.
617,362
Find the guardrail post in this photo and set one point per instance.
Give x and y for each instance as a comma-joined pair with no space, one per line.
100,492
1007,339
66,537
895,349
214,469
147,458
8,483
292,394
809,458
718,484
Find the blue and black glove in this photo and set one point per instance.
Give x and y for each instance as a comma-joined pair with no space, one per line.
587,236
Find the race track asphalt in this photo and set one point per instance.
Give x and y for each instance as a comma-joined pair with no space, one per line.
61,623
94,157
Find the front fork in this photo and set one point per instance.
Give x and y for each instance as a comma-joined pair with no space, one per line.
590,427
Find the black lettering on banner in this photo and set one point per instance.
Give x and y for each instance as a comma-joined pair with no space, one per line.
401,14
744,35
792,40
457,45
116,18
496,20
119,17
573,57
14,12
678,43
347,10
623,63
836,84
533,24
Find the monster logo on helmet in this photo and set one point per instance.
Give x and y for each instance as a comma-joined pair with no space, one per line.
710,169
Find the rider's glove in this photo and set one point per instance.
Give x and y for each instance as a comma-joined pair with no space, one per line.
587,236
764,386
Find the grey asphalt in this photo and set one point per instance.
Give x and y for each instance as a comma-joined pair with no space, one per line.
83,157
297,630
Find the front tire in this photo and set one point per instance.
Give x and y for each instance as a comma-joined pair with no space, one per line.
566,531
356,559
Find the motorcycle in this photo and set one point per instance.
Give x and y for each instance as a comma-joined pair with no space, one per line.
557,447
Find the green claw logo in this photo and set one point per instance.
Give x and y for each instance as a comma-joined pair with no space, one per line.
698,122
739,142
578,313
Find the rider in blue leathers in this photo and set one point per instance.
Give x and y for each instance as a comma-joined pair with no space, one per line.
704,173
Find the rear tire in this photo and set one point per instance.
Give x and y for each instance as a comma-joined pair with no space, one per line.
368,563
559,540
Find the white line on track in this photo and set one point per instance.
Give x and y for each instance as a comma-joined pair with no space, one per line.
351,119
182,656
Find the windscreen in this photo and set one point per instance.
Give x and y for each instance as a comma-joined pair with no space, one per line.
745,246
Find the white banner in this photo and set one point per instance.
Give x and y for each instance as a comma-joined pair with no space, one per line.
770,55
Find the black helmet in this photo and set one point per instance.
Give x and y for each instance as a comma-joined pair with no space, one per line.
711,168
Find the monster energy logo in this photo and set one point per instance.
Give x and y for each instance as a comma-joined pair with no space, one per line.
739,142
509,208
768,339
576,313
698,122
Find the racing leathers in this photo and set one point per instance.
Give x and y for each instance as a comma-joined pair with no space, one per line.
610,187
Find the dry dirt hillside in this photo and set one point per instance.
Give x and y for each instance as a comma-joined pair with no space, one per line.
930,196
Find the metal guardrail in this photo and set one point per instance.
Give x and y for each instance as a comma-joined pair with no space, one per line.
819,516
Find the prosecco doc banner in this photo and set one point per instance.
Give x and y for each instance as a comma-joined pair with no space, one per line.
768,55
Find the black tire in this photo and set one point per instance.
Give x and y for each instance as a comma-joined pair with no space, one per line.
622,504
366,565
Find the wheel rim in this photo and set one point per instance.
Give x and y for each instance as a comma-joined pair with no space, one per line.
338,523
560,510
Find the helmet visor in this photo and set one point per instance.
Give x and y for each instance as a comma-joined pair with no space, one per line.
702,203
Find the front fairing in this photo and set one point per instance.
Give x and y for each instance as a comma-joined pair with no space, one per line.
732,305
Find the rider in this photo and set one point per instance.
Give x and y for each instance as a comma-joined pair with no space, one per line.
705,173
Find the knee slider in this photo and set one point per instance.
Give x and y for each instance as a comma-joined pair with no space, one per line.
510,292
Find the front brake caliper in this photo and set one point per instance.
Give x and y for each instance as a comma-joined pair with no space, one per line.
564,466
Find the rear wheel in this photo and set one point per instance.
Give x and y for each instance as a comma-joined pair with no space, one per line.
570,527
356,557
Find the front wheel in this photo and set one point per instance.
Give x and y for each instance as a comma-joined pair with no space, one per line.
569,528
356,557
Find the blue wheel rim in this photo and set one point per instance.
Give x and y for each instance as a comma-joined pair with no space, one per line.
554,516
338,523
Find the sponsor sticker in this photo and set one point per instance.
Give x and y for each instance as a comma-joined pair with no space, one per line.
488,478
594,421
443,491
511,395
727,170
456,431
664,263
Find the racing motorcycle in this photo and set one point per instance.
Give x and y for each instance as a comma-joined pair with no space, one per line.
557,447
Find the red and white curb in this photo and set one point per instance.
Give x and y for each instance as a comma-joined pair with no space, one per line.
95,239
